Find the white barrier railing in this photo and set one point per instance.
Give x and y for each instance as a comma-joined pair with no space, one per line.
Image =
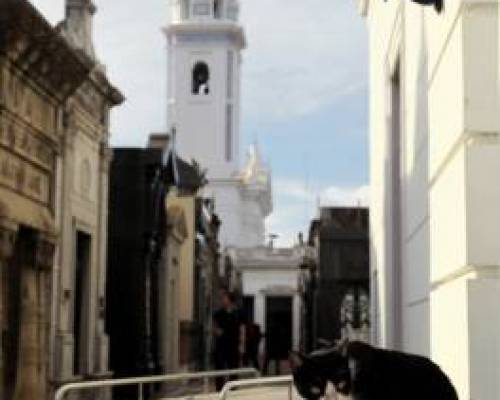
247,383
141,381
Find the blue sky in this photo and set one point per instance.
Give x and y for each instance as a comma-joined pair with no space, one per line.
304,93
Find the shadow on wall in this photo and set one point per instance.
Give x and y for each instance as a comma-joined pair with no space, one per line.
406,190
418,180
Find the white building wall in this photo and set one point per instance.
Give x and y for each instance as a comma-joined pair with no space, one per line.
228,207
207,124
382,22
415,221
200,120
449,278
270,272
253,222
263,281
242,216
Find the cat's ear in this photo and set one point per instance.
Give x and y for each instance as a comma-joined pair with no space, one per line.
296,360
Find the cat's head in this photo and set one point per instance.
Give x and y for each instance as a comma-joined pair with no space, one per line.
311,373
308,377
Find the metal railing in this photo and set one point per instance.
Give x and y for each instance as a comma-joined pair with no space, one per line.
247,383
141,381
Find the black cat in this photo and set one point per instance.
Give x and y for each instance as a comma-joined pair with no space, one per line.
366,373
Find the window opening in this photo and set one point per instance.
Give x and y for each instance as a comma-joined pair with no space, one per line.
201,79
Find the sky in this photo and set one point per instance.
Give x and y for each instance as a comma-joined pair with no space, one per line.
304,94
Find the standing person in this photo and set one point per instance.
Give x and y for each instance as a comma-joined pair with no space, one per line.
253,339
229,330
277,347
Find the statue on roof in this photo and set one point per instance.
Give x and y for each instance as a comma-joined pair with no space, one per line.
256,170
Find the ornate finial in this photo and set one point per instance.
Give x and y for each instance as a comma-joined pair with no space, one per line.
77,26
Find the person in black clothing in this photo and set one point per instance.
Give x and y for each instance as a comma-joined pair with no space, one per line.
229,330
278,346
253,339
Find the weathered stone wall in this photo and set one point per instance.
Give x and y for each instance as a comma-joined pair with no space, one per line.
50,104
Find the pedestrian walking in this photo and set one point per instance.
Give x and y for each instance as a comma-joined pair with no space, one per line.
252,344
229,331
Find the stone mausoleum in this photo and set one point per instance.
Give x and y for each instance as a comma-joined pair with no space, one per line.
55,102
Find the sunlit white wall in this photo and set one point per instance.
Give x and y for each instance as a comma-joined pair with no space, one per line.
449,277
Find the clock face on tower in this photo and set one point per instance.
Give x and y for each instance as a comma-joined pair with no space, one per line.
201,79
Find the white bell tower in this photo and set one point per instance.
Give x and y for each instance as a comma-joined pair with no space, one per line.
204,46
204,57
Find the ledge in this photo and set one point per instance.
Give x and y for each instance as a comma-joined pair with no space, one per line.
226,27
37,48
34,46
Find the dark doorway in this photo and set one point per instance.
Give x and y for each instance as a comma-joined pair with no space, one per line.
80,323
249,308
279,329
23,259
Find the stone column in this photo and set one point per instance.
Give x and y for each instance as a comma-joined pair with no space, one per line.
260,316
7,241
44,263
63,329
32,382
102,340
296,321
260,310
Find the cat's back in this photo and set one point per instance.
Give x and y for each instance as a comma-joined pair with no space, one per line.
402,375
419,376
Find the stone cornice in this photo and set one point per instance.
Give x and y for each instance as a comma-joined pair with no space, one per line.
266,258
267,266
110,92
42,52
35,47
226,27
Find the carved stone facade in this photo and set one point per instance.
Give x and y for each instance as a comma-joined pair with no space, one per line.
335,277
169,293
53,147
81,346
268,280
